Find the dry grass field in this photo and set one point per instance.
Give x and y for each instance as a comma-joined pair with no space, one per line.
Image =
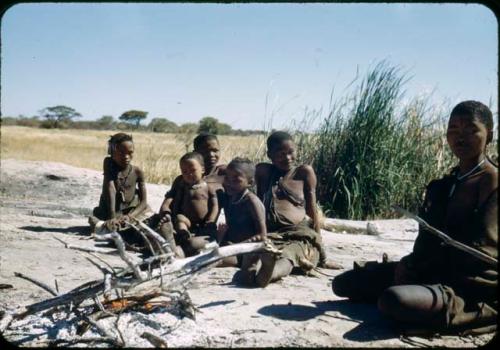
156,153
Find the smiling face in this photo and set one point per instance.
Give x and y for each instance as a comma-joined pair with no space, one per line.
123,153
235,181
210,150
467,136
283,155
192,171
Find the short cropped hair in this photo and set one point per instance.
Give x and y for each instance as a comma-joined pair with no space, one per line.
475,109
243,165
203,138
192,155
276,139
116,139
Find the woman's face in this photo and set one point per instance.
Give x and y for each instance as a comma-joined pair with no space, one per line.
467,136
283,156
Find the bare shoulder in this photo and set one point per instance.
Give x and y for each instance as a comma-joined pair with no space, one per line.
254,201
106,164
489,179
262,169
138,171
305,171
221,169
177,182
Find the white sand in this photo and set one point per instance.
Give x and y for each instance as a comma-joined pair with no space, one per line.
298,311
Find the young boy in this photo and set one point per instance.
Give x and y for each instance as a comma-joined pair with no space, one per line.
289,194
245,219
194,209
438,287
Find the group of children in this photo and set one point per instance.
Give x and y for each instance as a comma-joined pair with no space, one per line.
435,286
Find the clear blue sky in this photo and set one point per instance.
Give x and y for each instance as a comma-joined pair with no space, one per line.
186,61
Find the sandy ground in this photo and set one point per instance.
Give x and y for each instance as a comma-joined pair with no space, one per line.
42,200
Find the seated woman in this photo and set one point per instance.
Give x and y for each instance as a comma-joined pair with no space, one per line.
289,194
438,287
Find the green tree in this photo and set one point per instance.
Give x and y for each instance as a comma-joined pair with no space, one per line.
185,134
106,122
209,125
58,116
133,117
162,125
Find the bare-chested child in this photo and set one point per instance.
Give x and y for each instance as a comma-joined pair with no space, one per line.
123,190
194,209
245,219
438,287
124,195
289,196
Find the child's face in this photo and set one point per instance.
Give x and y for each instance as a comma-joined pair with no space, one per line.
283,156
235,181
467,136
123,153
192,171
210,150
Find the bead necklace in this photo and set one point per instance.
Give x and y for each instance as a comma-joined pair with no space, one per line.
464,177
245,193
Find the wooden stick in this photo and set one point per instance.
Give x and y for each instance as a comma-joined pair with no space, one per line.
447,239
38,283
156,341
125,257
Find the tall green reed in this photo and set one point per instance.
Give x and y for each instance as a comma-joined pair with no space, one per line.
373,150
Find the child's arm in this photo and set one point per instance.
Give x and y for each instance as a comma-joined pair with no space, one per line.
310,182
166,208
213,206
261,177
109,189
258,213
143,200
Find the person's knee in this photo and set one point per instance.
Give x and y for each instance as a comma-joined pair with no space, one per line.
392,300
341,285
182,221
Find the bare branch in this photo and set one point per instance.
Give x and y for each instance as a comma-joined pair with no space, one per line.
38,283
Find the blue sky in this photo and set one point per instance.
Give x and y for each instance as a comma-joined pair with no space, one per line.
186,61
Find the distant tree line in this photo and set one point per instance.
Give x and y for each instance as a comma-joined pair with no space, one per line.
63,117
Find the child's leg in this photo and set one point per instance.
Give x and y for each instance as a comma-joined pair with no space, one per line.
412,303
248,270
230,261
272,269
167,232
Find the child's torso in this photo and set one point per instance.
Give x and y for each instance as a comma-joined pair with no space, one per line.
194,202
239,220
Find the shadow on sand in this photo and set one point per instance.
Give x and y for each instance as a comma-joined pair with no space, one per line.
371,324
79,230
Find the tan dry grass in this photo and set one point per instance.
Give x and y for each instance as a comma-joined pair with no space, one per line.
156,153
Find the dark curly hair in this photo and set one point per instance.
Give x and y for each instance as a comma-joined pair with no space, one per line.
116,139
475,109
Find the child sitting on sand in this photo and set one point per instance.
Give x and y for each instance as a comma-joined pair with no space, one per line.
123,190
439,288
194,210
124,197
245,218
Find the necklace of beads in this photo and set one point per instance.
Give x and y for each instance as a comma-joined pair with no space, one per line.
464,176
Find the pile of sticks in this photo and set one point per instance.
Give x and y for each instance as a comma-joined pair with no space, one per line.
158,280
